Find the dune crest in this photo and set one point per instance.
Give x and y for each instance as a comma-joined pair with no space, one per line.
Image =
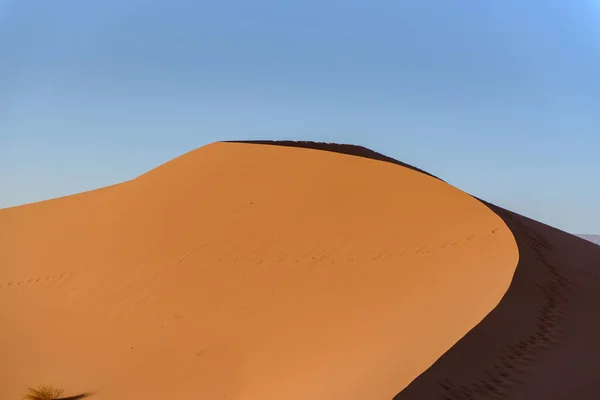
251,272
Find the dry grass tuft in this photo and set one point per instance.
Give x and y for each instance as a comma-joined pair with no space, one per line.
42,392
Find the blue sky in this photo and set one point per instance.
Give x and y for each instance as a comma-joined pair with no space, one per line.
500,98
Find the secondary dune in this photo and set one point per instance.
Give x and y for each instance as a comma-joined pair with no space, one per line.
247,271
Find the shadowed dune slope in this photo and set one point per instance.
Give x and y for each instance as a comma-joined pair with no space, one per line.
247,271
541,341
591,238
340,148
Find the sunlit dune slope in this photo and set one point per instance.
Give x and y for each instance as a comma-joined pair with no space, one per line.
247,271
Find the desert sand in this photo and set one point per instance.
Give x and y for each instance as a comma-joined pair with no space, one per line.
541,341
258,272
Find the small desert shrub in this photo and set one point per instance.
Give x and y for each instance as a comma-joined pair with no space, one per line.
42,393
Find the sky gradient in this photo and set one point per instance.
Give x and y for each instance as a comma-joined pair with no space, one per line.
501,99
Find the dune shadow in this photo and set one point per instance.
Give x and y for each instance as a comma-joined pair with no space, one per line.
547,304
76,397
347,149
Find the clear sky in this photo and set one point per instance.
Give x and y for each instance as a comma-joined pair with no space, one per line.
500,98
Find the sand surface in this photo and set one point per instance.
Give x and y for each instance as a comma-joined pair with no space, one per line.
251,272
541,341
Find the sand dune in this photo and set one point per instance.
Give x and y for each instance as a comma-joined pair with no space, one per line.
541,342
257,272
591,238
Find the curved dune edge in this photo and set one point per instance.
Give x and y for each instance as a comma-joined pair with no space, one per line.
247,272
348,149
541,341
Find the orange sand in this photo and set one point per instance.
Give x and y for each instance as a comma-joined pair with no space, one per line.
246,271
